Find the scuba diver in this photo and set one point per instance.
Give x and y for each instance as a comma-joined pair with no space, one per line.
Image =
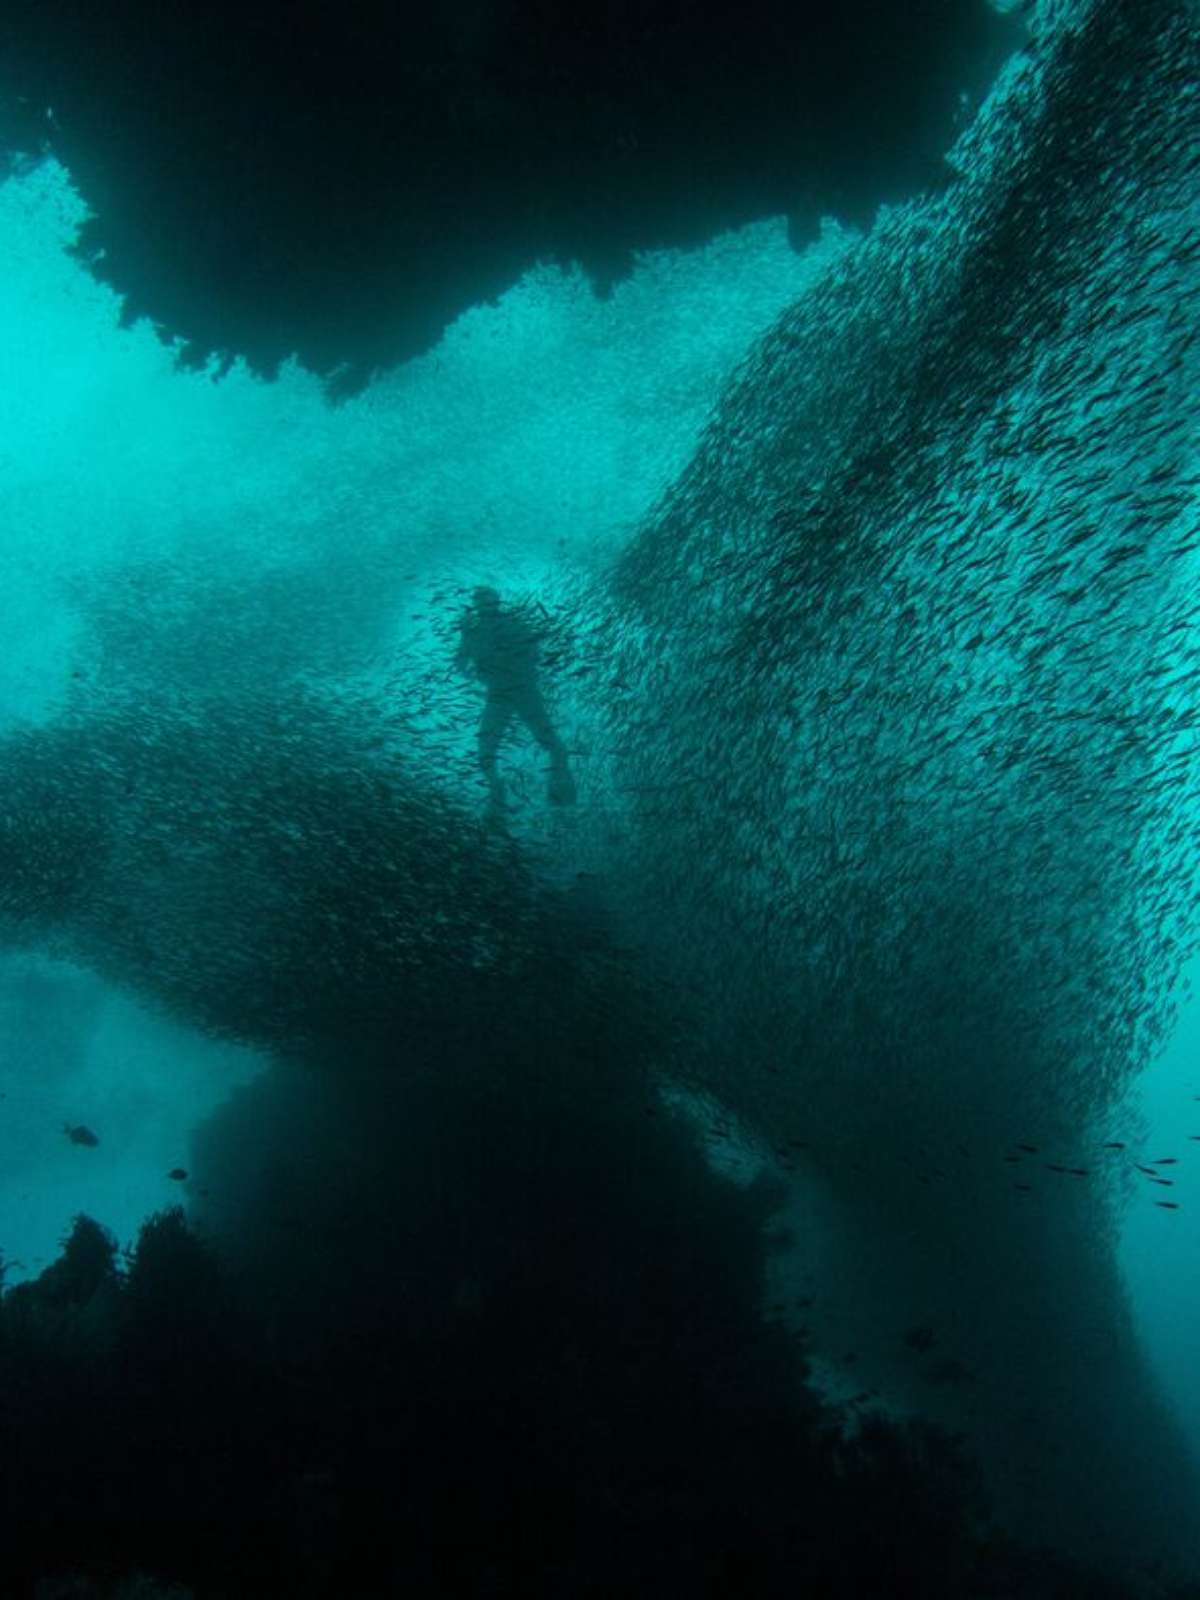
501,647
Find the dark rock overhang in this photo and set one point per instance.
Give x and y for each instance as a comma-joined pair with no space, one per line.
341,181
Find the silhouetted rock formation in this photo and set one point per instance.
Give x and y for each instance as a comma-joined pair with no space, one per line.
342,181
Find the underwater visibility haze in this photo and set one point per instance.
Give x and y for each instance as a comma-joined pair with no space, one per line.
597,846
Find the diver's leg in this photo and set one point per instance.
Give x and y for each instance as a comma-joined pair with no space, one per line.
532,711
493,725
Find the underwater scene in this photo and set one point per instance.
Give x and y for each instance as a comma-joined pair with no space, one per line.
599,795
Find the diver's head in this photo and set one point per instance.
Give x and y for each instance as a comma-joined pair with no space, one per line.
486,599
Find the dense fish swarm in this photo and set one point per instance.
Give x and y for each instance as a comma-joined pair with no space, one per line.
911,641
908,695
263,867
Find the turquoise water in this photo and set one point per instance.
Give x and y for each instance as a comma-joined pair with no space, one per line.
874,578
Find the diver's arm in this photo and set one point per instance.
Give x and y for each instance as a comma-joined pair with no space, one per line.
462,658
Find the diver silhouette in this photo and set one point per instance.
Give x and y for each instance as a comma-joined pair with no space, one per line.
502,649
